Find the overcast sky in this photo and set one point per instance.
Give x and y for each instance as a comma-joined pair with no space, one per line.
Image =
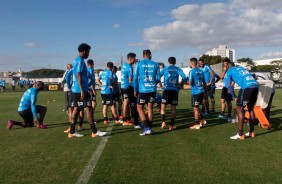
41,34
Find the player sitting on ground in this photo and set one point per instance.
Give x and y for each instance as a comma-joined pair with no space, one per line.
28,109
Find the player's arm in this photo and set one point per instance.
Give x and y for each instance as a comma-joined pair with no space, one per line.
68,78
79,79
212,75
92,82
217,78
228,83
135,79
158,78
183,77
33,99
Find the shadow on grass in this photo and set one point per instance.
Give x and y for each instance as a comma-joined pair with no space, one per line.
275,126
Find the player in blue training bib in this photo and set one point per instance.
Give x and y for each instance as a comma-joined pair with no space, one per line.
28,109
196,80
81,97
146,77
247,96
171,75
91,90
106,83
209,75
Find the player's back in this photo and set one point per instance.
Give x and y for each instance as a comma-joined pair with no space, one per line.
196,76
106,82
171,77
79,67
147,75
126,72
242,77
26,99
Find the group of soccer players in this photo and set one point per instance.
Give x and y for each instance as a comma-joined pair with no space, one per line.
138,88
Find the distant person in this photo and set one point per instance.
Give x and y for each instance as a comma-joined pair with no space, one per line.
116,94
146,77
171,75
209,76
28,109
80,95
225,94
196,80
129,100
211,92
106,83
65,87
247,96
13,83
3,85
92,91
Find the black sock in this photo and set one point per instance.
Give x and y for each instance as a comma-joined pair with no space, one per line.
93,128
222,113
145,123
105,119
18,123
80,123
72,129
252,128
229,114
172,121
150,124
119,112
116,118
127,118
163,117
240,132
197,121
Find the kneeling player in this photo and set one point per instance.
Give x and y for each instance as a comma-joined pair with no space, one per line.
28,109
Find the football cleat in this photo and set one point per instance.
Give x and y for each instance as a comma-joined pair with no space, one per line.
41,126
163,125
172,128
237,136
79,128
67,130
250,134
195,127
147,131
10,124
74,135
98,134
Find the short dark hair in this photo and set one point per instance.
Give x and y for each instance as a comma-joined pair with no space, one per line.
131,55
84,46
231,64
194,60
201,59
146,52
115,67
172,60
90,61
110,64
226,60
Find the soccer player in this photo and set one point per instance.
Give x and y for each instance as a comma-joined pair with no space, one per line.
146,77
116,93
129,100
196,80
247,96
212,91
13,83
171,75
209,75
225,94
81,97
66,89
106,83
28,109
90,68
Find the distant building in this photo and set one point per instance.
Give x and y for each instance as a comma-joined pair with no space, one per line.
222,51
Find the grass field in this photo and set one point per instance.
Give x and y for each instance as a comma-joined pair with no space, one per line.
33,155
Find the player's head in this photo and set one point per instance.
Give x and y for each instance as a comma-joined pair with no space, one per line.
193,62
172,60
84,50
69,66
131,57
110,65
90,63
229,65
226,61
39,85
114,69
201,63
147,54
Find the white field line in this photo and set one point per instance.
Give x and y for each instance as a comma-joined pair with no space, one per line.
89,168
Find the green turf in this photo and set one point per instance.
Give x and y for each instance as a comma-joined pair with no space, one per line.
31,155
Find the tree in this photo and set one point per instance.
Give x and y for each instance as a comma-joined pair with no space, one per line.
246,62
262,68
211,60
277,69
44,73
